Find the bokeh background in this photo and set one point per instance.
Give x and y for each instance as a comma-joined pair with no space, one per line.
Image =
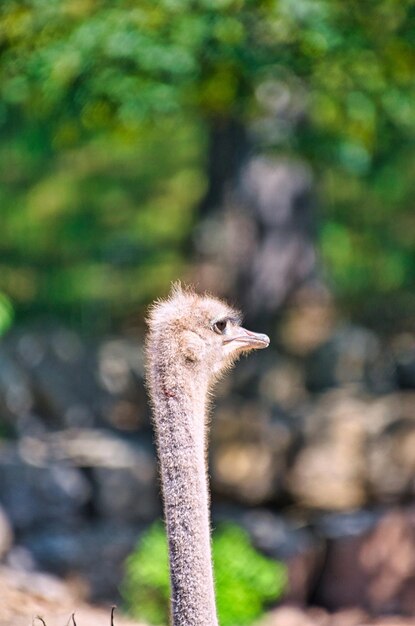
263,151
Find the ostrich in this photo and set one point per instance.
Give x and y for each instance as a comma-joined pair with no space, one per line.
192,339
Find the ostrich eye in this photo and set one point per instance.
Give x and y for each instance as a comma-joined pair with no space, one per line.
220,326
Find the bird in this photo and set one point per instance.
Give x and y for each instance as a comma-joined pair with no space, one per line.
192,340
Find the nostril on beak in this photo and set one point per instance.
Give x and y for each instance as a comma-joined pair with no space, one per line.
256,340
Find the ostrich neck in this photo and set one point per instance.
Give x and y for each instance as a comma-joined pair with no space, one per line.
180,424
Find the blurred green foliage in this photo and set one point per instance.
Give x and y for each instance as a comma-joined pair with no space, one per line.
245,580
104,111
6,313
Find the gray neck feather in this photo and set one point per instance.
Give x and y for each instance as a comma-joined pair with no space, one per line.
180,425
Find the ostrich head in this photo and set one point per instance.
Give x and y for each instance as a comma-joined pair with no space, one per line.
191,340
201,334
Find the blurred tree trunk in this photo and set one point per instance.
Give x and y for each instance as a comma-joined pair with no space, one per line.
228,149
255,228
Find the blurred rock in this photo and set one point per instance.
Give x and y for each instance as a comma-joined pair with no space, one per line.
282,383
20,558
78,552
85,389
71,381
308,322
353,616
342,582
121,374
248,453
328,470
288,615
38,583
123,473
292,616
352,355
244,471
391,457
6,534
370,562
128,493
403,346
294,544
76,489
25,595
16,391
284,539
303,568
33,494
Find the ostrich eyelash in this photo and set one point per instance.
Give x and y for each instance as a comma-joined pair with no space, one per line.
217,324
236,319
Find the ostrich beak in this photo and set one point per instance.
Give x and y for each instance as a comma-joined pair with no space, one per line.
242,339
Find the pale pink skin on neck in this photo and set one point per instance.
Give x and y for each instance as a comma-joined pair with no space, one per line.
186,354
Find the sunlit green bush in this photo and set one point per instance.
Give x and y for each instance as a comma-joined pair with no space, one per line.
246,581
6,313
